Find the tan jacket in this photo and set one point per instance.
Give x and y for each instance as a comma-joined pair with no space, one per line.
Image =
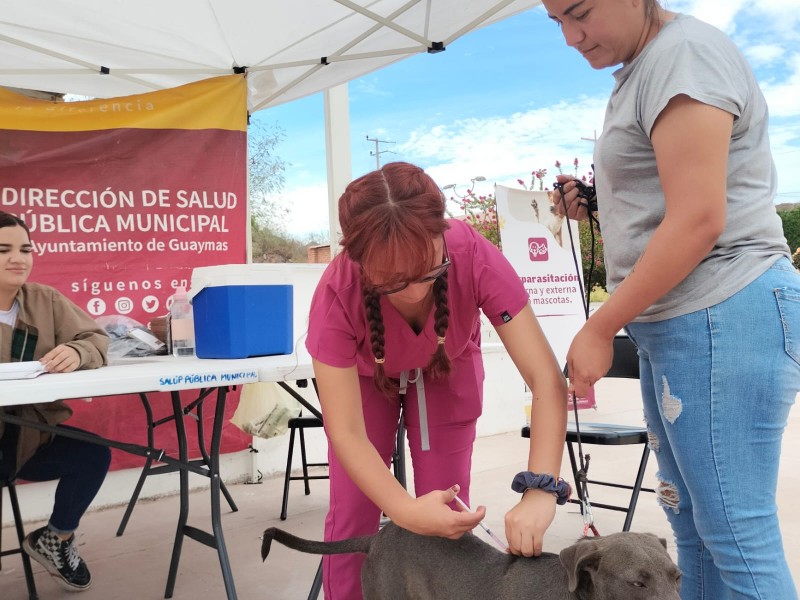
47,319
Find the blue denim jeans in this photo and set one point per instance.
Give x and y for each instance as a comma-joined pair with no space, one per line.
80,468
717,386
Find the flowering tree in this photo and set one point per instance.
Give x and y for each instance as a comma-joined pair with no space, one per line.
598,278
481,214
537,175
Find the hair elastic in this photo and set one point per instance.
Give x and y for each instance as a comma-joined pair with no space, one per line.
379,361
555,485
440,340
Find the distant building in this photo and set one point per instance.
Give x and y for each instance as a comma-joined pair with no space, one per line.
319,254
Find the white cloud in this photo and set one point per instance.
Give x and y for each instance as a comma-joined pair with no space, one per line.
308,207
786,154
719,14
369,86
783,16
783,96
749,22
764,54
505,148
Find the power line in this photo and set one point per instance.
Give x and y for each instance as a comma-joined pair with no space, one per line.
377,153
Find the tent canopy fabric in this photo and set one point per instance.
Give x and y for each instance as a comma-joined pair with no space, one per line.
288,48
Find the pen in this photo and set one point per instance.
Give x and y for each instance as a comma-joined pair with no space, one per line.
496,539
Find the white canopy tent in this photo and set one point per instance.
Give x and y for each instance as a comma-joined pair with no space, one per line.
288,48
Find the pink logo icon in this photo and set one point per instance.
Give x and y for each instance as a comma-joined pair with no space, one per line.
537,249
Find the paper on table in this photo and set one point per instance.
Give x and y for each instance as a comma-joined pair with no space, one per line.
21,370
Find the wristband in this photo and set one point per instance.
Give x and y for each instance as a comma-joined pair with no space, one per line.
558,487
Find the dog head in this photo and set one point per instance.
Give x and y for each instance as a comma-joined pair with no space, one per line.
547,212
621,566
553,208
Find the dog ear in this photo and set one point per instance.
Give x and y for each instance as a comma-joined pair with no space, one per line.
266,542
582,557
660,539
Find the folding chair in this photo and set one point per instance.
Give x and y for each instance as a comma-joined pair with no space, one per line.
299,424
26,561
625,365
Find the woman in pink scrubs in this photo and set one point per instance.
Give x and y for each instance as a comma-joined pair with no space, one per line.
394,325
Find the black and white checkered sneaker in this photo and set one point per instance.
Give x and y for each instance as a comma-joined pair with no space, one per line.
59,557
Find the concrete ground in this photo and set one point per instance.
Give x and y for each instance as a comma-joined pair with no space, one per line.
135,565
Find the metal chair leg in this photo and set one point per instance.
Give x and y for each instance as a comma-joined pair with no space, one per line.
287,477
304,461
574,464
637,487
313,594
1,527
26,561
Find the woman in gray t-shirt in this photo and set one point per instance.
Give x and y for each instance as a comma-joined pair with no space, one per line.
700,277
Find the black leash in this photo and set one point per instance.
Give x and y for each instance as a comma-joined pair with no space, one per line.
589,194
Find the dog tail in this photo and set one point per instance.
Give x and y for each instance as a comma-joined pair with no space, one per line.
358,544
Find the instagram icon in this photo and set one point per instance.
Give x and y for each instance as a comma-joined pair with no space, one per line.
537,249
124,305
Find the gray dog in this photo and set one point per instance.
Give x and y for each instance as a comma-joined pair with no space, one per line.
401,565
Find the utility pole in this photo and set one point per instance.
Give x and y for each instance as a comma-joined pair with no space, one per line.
377,153
592,139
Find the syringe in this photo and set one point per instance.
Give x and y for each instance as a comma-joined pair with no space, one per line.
496,539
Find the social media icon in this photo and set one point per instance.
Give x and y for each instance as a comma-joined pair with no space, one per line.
150,304
123,305
537,249
95,306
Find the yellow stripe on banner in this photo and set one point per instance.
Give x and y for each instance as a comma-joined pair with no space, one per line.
217,103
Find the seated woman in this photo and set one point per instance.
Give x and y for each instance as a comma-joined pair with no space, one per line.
39,323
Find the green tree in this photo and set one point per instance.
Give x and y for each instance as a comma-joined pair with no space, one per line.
598,276
791,226
269,241
271,246
266,175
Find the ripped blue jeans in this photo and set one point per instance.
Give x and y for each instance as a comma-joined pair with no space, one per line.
717,386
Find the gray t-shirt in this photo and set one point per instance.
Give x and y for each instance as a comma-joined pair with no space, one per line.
692,58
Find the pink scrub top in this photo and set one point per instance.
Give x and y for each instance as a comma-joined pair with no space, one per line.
480,278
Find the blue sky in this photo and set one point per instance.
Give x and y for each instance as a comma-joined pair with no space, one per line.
511,98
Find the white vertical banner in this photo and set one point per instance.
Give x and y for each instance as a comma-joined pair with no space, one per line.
537,244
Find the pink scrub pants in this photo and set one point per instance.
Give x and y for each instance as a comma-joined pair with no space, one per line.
452,415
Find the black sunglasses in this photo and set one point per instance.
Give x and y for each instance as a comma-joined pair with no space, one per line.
393,288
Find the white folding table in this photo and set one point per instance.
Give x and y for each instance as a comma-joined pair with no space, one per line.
165,374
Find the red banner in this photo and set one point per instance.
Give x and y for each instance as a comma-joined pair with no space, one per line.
124,197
